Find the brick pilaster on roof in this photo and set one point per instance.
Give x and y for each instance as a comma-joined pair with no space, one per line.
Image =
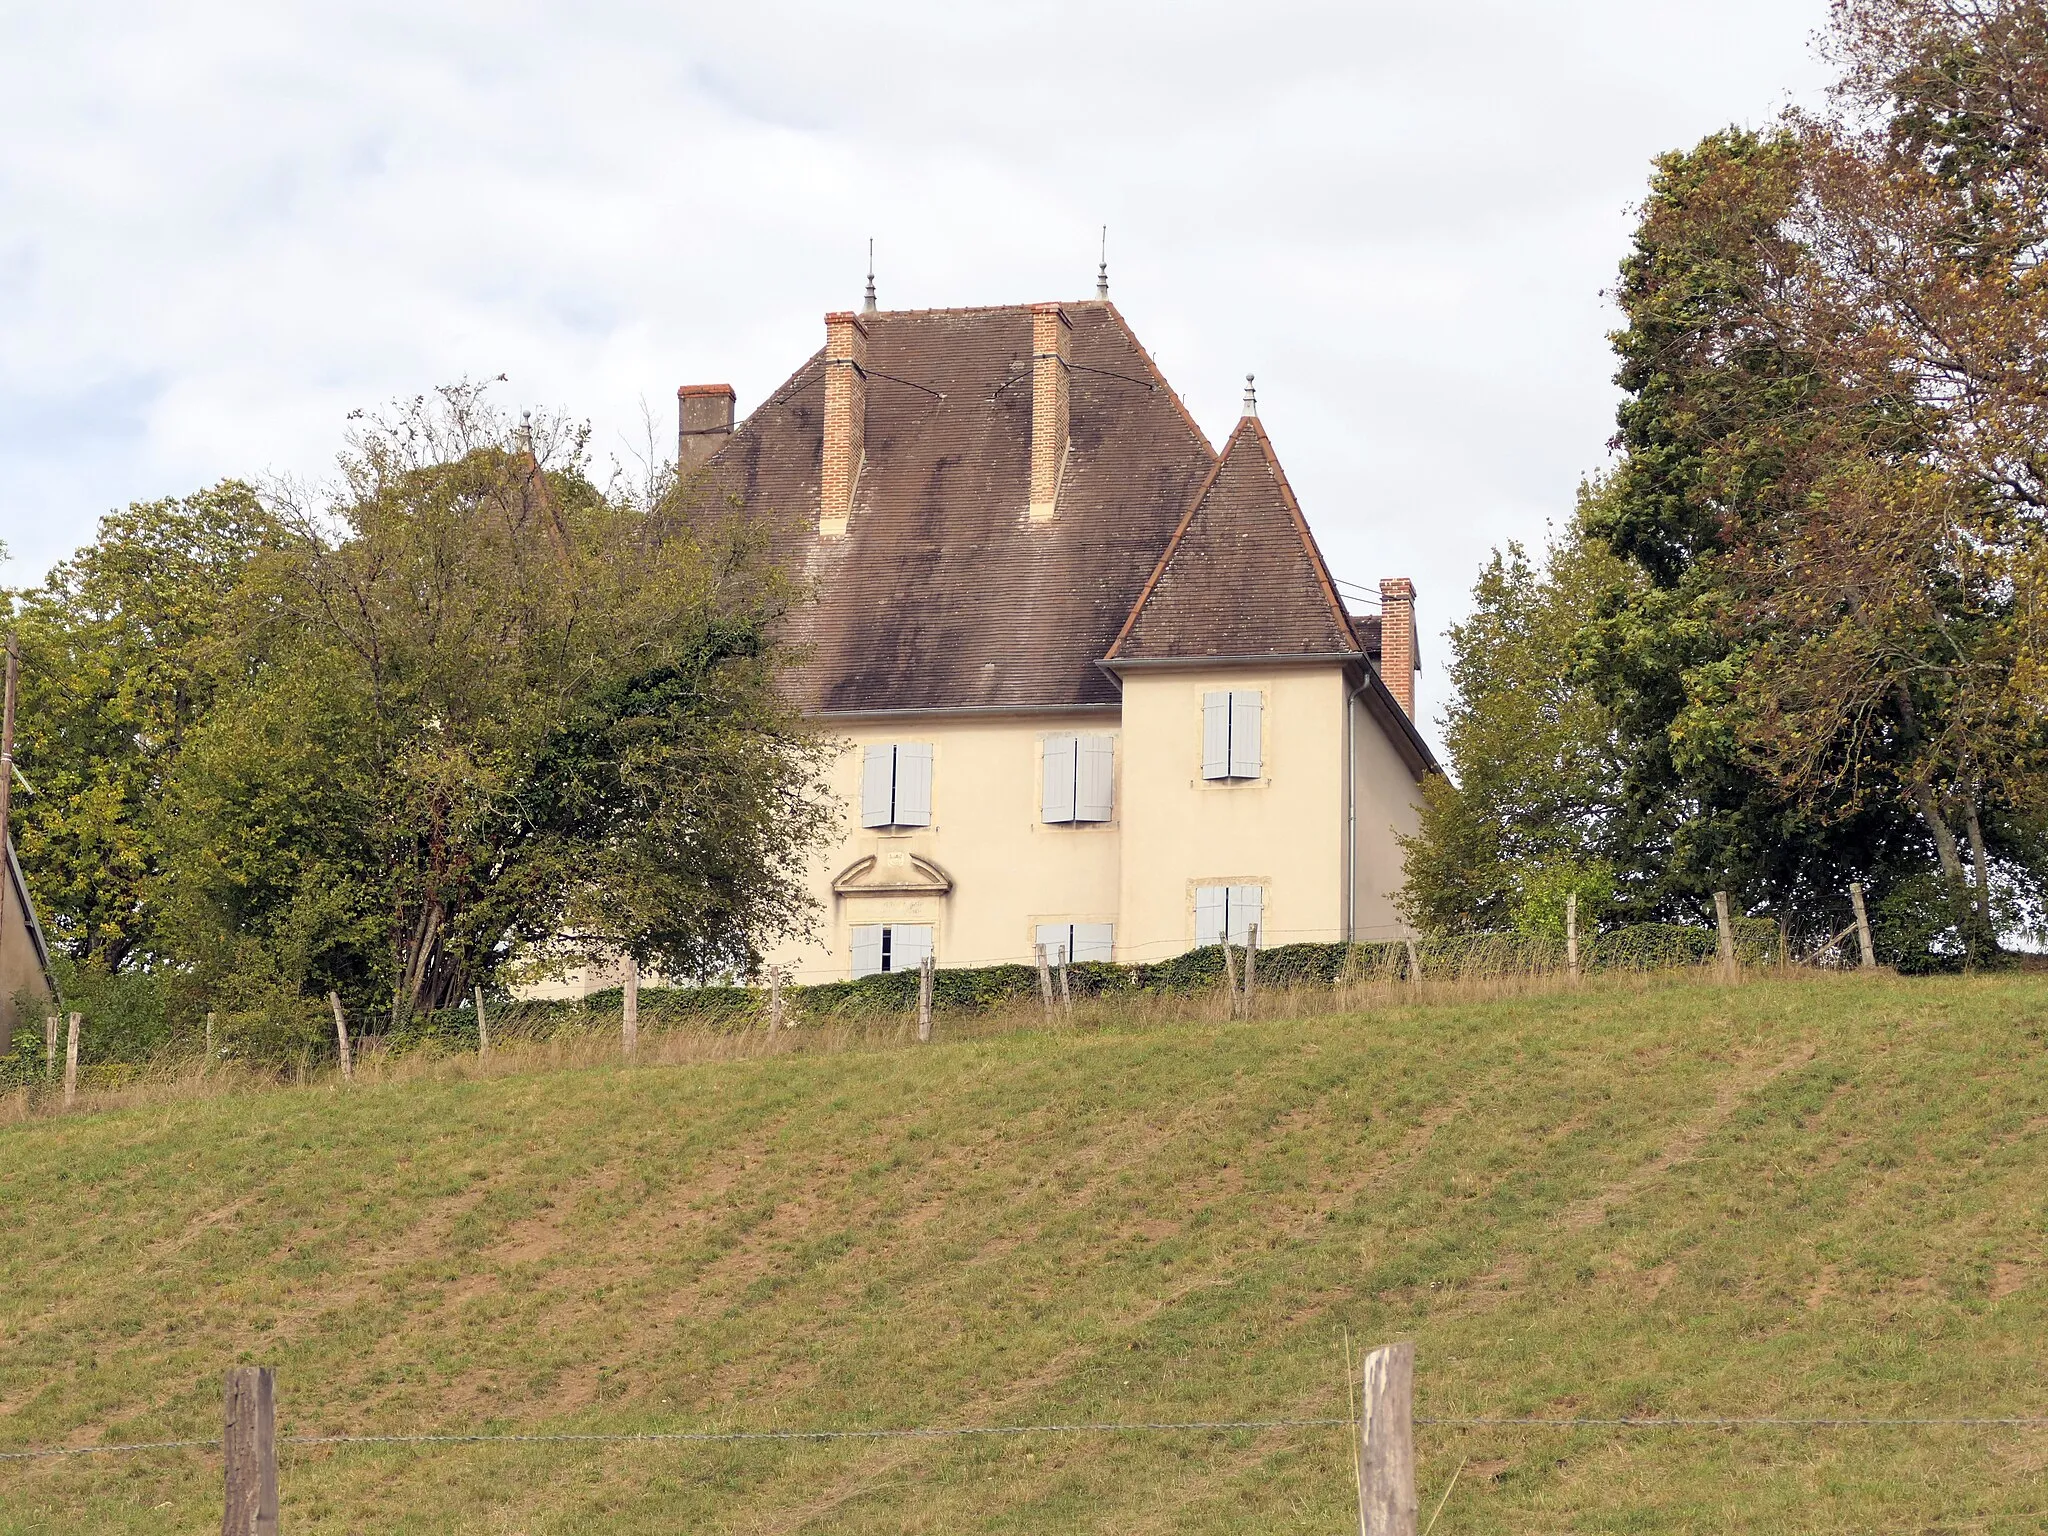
846,413
1052,342
1399,659
1242,575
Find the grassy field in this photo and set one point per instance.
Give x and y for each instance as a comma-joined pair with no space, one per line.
1805,1198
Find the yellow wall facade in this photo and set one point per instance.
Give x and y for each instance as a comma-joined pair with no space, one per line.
1171,830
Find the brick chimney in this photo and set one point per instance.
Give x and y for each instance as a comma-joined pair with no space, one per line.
1052,344
703,423
1398,659
846,414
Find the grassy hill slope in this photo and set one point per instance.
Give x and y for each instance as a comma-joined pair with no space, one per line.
1810,1198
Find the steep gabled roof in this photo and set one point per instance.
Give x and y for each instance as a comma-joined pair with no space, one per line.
941,594
1241,575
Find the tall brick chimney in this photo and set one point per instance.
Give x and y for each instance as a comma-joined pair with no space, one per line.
1052,343
703,423
846,412
1398,659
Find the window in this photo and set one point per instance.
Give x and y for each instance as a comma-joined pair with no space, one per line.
879,947
1083,942
1226,913
1080,778
896,785
1230,734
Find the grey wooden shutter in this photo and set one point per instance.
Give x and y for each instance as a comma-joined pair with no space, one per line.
1215,735
1095,778
1245,712
867,949
1248,906
1053,936
914,784
909,943
1094,941
1210,913
878,788
1056,803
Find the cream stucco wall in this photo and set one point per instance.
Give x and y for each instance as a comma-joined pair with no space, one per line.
1171,829
1283,831
1388,806
1010,871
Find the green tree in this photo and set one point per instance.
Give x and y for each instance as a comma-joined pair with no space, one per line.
1530,808
124,649
492,705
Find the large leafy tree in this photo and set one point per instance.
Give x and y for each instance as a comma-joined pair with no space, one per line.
494,706
1531,807
125,648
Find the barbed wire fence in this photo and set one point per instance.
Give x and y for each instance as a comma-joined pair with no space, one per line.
1381,1430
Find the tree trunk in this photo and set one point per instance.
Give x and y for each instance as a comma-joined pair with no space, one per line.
1978,857
1944,839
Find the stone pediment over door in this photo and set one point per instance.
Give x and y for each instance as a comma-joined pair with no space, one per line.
896,872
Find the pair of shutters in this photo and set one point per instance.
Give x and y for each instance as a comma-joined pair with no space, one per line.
1083,942
1230,734
1226,913
1080,778
896,785
879,947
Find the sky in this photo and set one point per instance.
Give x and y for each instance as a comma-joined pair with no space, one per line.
224,226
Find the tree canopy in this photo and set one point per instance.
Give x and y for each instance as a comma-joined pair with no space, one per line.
459,711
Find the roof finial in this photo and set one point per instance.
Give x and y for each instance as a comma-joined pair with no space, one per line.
1251,397
869,305
526,431
1102,272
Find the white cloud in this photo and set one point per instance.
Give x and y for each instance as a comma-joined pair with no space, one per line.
223,225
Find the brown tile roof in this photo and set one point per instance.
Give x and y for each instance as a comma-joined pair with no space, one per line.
942,594
1242,575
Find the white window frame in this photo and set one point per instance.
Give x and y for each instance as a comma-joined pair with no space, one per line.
1085,943
895,946
1078,781
1233,734
896,785
1227,913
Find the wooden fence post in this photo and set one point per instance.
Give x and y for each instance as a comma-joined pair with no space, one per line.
1414,962
1571,934
1230,976
209,1039
250,1441
924,1001
348,1057
1862,924
629,1024
1044,981
1251,966
50,1044
1727,933
774,998
71,1061
483,1024
1066,986
1386,1442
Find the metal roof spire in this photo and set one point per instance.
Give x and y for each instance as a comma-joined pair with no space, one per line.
1251,397
1102,272
869,305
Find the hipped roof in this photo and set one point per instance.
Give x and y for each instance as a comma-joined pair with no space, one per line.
1241,575
942,594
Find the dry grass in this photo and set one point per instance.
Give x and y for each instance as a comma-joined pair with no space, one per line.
1641,1196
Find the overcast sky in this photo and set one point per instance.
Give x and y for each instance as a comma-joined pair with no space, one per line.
224,226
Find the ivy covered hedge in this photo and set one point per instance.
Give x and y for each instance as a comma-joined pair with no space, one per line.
983,989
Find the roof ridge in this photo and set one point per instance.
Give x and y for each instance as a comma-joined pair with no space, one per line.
1308,538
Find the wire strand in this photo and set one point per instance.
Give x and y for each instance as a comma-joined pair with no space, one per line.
737,1436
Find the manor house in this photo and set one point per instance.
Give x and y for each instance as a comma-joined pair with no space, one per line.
1097,688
